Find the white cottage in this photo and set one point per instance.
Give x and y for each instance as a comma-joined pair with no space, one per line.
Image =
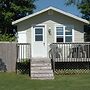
50,25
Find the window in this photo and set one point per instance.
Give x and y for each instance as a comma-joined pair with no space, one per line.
68,33
59,30
38,34
68,38
59,38
59,34
68,30
64,34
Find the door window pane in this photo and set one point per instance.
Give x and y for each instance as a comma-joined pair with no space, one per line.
38,34
59,38
38,38
38,31
68,38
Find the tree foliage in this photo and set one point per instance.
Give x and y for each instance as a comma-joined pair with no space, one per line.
11,10
7,37
83,6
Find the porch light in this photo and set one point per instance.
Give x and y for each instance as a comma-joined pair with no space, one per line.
49,30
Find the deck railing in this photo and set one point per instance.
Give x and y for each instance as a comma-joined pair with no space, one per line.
69,52
23,58
23,51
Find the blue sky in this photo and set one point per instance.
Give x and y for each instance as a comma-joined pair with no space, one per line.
60,4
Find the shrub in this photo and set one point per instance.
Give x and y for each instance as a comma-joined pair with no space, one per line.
7,37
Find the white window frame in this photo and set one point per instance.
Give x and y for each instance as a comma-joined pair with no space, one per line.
60,25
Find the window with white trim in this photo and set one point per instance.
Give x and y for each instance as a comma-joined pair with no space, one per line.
64,33
59,34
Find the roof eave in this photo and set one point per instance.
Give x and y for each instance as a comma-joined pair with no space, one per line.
24,18
55,9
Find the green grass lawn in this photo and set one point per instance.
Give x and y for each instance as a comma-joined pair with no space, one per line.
11,81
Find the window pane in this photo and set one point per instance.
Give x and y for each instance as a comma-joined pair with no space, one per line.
68,30
59,38
38,31
59,30
59,33
68,39
38,38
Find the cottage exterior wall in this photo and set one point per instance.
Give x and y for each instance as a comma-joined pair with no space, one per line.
50,21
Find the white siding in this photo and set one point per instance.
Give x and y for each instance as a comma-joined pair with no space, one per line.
22,37
50,21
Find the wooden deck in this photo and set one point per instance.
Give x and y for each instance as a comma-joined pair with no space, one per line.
70,53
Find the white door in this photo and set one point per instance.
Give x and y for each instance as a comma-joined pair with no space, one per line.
39,45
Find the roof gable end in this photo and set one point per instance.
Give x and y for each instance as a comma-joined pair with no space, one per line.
52,8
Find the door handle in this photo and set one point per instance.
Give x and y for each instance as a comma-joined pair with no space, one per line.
44,44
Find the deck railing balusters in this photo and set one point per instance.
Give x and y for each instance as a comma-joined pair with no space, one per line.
71,52
23,58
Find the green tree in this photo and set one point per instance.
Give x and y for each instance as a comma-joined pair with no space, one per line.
82,5
84,8
11,10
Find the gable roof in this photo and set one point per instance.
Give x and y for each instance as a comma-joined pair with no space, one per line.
51,8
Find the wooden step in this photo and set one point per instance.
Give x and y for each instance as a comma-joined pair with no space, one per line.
41,72
42,75
42,78
41,69
40,64
40,61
